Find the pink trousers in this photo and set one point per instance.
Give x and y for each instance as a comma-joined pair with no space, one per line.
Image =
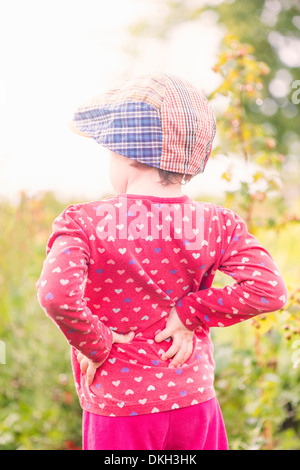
198,427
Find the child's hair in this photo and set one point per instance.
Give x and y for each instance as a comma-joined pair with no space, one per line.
166,177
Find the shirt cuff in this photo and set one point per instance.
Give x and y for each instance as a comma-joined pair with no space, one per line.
187,314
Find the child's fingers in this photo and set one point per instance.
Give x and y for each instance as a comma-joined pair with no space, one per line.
162,335
117,338
84,365
173,349
87,367
179,353
90,373
179,358
189,350
80,357
183,354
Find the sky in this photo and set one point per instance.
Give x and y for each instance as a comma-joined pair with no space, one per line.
56,55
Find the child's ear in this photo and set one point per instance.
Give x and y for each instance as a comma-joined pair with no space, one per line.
73,128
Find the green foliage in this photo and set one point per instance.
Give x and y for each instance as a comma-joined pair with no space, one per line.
271,27
257,371
242,83
38,407
258,362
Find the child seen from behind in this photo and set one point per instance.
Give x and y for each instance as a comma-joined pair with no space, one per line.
128,279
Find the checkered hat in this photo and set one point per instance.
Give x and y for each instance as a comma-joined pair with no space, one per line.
159,119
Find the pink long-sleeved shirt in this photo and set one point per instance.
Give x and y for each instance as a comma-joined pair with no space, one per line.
121,264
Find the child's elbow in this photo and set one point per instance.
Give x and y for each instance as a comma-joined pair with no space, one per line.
278,297
283,296
48,300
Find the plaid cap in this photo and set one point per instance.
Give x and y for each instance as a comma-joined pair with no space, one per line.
159,119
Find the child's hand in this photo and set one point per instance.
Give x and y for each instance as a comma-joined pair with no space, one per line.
89,368
182,345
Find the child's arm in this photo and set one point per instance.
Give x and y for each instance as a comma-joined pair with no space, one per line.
60,288
259,286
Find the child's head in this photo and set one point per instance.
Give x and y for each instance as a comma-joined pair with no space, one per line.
156,123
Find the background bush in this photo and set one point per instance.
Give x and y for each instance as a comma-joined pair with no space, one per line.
257,362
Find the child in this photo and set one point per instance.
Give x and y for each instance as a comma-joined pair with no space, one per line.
128,279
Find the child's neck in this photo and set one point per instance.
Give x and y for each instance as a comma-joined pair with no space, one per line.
153,188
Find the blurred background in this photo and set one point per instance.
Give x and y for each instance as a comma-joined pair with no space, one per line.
245,56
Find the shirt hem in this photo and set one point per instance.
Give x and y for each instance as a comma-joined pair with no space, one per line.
153,407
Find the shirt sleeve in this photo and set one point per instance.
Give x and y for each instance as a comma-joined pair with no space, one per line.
258,288
61,287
